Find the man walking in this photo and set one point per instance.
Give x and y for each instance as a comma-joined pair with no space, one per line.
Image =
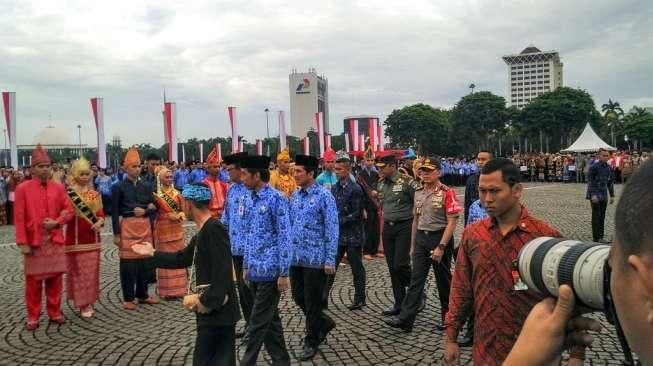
396,193
266,262
600,182
436,213
314,230
368,178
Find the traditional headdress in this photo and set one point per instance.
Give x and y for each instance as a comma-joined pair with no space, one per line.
158,172
76,168
132,157
284,155
215,156
369,154
40,156
342,156
329,155
196,192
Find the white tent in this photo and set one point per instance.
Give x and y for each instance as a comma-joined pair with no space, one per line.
588,141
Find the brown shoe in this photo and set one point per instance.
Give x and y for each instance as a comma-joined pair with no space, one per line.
129,305
368,257
150,301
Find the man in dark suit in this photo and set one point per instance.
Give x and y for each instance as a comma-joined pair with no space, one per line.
214,300
368,178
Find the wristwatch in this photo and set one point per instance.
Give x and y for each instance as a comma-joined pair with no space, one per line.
442,246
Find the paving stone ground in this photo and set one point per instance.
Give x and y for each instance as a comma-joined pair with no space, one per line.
164,334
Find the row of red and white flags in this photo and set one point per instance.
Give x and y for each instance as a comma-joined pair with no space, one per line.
354,141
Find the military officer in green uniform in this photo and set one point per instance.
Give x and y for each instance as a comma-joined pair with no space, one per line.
396,193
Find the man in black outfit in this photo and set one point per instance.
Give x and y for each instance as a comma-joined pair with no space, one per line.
368,178
600,183
215,302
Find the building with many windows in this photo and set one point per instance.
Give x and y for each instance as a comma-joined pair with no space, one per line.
309,94
532,73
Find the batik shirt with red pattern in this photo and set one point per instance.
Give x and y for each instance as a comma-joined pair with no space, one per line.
483,282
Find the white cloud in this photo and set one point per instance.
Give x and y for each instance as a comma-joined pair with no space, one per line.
378,56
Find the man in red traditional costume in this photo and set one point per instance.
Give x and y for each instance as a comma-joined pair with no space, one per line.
218,188
169,233
41,209
83,243
132,202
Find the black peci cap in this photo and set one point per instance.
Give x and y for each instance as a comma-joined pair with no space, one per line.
255,162
234,158
307,160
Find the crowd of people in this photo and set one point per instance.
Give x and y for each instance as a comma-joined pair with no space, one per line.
265,227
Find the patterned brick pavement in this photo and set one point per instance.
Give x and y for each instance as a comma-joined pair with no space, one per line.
164,334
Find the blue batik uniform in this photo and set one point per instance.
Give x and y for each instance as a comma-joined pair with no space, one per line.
314,221
233,217
327,179
197,176
180,178
476,213
268,249
224,175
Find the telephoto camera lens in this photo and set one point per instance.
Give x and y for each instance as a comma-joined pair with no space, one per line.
545,263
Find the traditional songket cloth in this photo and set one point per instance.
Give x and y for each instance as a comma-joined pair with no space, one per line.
126,196
82,242
35,202
217,187
285,183
169,236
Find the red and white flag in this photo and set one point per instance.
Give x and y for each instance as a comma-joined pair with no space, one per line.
282,130
353,132
241,146
201,148
379,131
319,121
259,147
97,107
170,130
327,139
9,103
307,148
361,142
233,122
347,142
183,153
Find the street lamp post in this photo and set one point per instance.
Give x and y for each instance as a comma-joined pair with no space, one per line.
267,125
472,86
79,130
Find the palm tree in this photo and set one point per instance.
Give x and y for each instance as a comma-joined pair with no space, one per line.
612,113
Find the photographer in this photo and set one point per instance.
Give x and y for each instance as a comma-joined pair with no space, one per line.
549,328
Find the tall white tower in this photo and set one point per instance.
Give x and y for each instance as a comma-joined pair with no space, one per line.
309,94
532,73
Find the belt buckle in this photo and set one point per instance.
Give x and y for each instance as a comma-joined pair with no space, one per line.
391,223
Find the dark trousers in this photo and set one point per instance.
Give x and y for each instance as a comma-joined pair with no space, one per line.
355,259
396,244
133,276
215,346
372,230
244,292
265,325
10,212
308,292
425,242
106,205
598,219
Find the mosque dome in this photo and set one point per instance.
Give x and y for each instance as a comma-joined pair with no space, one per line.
52,135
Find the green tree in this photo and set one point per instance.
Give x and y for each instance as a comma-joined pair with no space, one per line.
421,126
558,116
613,114
478,121
638,126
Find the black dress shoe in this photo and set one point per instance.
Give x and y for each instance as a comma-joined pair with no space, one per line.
325,332
440,327
308,353
391,312
465,341
357,305
395,322
422,304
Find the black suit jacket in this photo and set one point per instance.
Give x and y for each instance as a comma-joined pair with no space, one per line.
371,179
213,267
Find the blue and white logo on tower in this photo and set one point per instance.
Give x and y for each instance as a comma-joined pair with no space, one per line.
303,87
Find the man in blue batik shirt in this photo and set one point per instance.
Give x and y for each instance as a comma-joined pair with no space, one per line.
180,178
238,198
197,173
599,184
314,231
266,262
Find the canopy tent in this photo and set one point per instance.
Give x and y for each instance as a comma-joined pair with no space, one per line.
588,141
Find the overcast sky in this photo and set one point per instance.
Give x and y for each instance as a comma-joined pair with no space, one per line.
377,55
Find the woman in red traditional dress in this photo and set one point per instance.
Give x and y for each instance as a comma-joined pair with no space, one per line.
169,233
83,243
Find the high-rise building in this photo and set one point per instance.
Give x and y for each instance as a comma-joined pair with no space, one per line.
309,94
532,73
